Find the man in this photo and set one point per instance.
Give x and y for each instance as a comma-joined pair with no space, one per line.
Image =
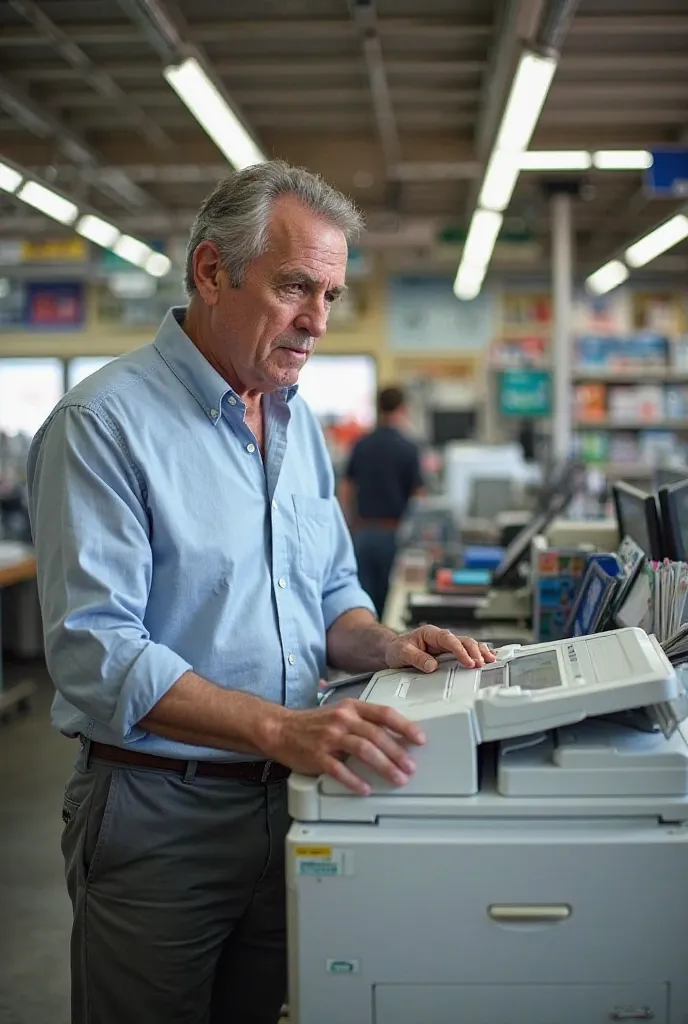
195,572
382,476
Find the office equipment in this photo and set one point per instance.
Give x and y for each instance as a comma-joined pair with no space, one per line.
673,503
556,575
638,518
466,895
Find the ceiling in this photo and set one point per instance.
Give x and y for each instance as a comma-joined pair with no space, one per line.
83,102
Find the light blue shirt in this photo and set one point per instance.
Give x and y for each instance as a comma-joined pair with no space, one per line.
166,543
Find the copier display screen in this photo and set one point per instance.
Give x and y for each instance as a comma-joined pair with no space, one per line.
535,671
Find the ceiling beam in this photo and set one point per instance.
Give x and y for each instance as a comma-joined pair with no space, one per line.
628,25
25,111
366,19
261,70
287,29
99,80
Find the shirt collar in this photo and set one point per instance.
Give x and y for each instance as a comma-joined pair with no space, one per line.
193,369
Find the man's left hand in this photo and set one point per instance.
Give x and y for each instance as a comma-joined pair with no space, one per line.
417,649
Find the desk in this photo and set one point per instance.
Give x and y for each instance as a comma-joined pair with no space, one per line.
17,564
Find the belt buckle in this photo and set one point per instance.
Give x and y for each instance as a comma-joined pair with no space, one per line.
266,771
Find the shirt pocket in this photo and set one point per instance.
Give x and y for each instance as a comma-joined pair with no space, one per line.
313,527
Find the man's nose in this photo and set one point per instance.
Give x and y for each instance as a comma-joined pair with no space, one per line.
313,319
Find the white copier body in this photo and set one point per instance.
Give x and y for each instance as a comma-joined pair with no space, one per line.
540,879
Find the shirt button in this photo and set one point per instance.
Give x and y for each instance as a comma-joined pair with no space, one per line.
281,582
214,413
274,506
250,448
232,400
291,659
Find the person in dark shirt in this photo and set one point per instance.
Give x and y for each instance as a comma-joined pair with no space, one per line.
382,475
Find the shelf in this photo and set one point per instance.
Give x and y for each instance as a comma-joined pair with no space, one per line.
656,374
608,424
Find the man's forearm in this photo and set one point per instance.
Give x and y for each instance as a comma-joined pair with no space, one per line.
200,713
356,641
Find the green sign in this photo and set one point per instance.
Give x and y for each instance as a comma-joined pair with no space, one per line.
525,393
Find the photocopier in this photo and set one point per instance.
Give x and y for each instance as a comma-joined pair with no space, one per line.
534,870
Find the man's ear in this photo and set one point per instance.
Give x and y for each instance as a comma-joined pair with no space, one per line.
207,270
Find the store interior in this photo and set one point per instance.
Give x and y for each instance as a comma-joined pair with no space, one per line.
522,276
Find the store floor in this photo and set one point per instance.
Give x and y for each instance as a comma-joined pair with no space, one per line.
35,914
34,910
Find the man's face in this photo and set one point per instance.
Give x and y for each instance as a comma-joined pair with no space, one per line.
265,330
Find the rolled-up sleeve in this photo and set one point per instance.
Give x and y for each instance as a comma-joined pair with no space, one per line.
92,538
341,589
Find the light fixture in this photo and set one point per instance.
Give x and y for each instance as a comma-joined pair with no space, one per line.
500,181
481,238
468,282
528,93
556,160
10,180
622,159
133,251
526,98
670,233
48,202
211,110
607,277
158,264
97,230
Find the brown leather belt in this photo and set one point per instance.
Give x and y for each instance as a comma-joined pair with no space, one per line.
245,771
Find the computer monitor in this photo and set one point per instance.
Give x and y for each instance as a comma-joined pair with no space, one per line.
673,502
665,476
452,425
520,545
638,518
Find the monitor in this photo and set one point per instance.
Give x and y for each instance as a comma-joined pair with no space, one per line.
520,545
638,518
452,425
665,476
673,502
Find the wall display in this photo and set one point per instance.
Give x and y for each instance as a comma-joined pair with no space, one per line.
423,313
525,392
54,305
72,249
137,307
29,390
12,303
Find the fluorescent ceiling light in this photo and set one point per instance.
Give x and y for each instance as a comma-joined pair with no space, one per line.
481,238
528,93
468,282
658,241
10,180
607,277
556,160
158,264
500,181
97,230
212,112
48,202
622,159
130,249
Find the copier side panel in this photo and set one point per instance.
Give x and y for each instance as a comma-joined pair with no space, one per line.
411,903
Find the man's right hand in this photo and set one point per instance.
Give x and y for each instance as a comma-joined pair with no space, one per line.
314,742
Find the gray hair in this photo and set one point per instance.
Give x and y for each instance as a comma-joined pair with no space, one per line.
236,214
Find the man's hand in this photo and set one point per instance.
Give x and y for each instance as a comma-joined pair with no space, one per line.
314,742
418,647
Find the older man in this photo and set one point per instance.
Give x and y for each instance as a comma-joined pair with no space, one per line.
195,574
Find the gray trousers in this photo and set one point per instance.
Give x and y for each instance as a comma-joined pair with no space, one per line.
178,890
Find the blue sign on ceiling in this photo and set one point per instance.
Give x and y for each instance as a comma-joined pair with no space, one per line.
668,175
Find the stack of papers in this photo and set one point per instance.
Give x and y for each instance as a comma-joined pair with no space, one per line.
669,592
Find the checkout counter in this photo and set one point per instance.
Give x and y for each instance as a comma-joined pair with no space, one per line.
533,870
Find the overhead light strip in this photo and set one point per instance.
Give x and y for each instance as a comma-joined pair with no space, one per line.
582,160
213,113
526,99
639,254
88,225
